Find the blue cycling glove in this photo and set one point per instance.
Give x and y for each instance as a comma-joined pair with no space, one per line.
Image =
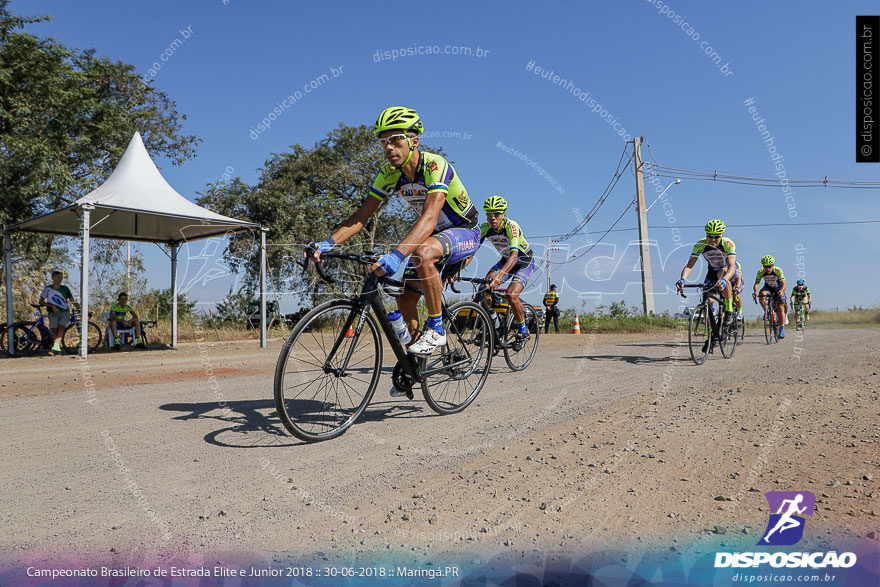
326,245
722,283
390,263
679,282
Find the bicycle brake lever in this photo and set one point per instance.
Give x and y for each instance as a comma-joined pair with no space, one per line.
453,288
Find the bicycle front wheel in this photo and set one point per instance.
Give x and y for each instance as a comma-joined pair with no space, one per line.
768,328
454,375
25,336
326,373
699,334
519,354
72,337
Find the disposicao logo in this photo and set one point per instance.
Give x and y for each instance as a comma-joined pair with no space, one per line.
786,528
787,511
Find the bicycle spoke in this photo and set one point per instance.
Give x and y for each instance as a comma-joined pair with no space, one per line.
329,401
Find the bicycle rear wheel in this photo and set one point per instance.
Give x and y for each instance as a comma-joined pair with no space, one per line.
728,343
314,397
72,337
699,334
519,355
454,375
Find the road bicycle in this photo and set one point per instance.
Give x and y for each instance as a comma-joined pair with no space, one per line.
329,367
706,328
800,311
518,353
31,335
740,320
771,326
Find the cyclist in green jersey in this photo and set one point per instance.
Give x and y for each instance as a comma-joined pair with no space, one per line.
720,254
801,300
774,286
517,262
446,233
118,313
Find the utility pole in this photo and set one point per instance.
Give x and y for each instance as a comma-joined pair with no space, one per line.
644,245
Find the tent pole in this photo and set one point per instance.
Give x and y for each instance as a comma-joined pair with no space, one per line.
7,263
84,283
263,289
174,247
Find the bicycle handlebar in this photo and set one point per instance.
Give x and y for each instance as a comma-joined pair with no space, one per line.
364,258
704,288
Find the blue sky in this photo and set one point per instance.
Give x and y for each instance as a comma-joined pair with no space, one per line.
796,60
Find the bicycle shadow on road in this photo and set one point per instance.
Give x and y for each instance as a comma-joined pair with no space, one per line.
255,423
656,344
633,359
250,423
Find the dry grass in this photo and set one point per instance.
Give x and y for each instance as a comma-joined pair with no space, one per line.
192,331
855,316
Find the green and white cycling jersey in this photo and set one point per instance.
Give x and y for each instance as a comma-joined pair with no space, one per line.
771,280
508,238
799,293
434,174
716,256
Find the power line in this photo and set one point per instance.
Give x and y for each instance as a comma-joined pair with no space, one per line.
619,218
612,183
659,170
661,227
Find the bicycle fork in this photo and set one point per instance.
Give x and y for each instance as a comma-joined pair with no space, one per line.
361,312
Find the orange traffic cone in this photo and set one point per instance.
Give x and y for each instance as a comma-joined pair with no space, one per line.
577,325
350,333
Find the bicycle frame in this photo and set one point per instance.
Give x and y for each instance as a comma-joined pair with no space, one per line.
370,299
710,295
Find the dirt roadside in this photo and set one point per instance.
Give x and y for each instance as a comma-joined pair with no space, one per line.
607,440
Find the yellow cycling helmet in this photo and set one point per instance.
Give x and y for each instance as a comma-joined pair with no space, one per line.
715,227
495,204
768,260
398,118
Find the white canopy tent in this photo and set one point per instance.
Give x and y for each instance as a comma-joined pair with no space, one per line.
135,203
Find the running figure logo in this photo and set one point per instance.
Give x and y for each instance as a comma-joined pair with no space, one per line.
787,511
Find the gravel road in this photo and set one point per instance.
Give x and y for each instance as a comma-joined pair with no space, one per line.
605,440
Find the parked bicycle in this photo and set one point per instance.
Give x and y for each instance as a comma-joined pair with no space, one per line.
31,335
518,352
706,328
329,367
771,324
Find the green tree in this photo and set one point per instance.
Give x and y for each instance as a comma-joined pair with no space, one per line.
302,196
66,117
233,308
161,298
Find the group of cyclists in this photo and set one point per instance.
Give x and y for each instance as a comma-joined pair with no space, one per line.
725,274
448,233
